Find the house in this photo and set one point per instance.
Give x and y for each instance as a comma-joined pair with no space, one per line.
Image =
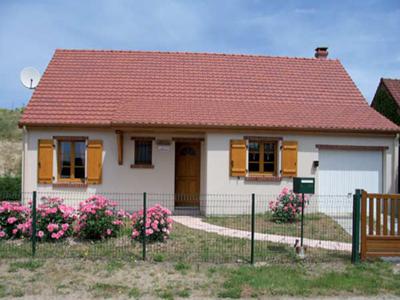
387,99
387,102
202,124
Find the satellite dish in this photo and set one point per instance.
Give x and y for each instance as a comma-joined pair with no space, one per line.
30,77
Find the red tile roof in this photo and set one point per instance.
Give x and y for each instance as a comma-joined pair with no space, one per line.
393,86
134,88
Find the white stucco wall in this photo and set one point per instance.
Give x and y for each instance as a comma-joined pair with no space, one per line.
219,181
158,182
220,192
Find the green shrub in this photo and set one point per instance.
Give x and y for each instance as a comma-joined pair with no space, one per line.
159,257
10,188
287,206
181,266
54,219
98,218
158,224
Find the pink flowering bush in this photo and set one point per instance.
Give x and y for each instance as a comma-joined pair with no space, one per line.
158,224
14,220
97,218
287,207
54,220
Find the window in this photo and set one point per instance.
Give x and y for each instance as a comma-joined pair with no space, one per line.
143,152
262,157
71,160
187,151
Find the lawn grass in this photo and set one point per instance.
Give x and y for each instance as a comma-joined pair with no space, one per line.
30,265
84,279
316,226
114,265
297,280
106,290
185,244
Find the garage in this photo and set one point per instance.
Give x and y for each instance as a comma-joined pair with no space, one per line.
342,171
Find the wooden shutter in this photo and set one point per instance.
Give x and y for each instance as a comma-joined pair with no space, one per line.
238,158
289,158
120,145
45,161
94,161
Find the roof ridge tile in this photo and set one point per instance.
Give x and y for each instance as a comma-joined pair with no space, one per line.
194,53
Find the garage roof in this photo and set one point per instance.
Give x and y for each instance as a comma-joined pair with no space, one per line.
170,89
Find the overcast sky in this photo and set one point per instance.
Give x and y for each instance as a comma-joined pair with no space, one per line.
364,35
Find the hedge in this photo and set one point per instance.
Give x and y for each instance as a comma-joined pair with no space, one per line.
10,188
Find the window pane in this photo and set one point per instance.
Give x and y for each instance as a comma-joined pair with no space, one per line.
269,147
80,154
269,167
65,172
254,157
79,173
253,146
143,152
79,159
65,159
187,151
254,167
65,148
254,152
269,157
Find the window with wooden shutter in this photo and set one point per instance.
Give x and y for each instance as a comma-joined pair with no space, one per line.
71,160
45,161
238,158
289,158
94,161
262,157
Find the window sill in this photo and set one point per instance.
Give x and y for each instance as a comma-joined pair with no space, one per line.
141,166
263,178
70,185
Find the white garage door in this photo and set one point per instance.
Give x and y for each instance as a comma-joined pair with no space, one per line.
341,172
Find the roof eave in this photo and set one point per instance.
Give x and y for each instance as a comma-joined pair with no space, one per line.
391,131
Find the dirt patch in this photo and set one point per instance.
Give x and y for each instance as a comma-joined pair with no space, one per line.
66,278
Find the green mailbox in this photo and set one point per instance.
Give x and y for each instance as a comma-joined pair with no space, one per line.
304,185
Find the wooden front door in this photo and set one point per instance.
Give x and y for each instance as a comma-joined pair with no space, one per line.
187,173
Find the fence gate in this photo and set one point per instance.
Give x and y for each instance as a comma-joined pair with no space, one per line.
380,226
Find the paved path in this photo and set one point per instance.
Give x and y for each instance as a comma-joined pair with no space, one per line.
197,223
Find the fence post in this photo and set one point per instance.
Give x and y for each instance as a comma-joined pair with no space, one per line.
253,219
33,224
355,250
302,223
144,225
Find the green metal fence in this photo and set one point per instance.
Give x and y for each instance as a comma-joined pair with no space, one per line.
355,251
224,228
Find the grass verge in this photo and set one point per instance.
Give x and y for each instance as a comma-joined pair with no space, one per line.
178,280
316,226
298,280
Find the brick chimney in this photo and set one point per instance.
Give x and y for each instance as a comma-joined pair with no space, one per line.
321,52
